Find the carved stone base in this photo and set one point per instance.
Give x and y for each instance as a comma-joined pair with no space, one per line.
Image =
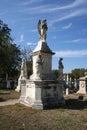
42,94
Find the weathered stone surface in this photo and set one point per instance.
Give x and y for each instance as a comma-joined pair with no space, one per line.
41,90
42,47
82,85
23,74
42,62
42,94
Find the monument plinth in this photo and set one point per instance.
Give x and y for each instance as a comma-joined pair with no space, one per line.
42,61
41,90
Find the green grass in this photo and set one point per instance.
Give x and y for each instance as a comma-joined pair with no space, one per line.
4,91
72,116
8,94
19,117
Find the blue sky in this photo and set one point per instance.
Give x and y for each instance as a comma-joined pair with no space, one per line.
67,27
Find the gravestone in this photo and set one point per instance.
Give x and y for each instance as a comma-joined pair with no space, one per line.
42,90
83,85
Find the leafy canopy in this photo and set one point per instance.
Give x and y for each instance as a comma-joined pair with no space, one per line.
9,52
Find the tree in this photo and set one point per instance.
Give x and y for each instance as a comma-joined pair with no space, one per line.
55,73
27,56
77,73
9,53
4,33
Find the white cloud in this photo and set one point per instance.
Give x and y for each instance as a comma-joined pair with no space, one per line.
67,26
34,1
49,8
74,4
76,40
21,38
3,12
34,30
35,10
76,13
71,53
31,43
29,2
63,12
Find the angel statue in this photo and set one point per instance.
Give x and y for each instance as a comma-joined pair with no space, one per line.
42,28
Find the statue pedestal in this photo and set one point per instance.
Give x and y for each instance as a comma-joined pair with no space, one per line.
42,94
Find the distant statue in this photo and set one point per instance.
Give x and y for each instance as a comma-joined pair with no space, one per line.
23,74
61,67
60,63
42,28
23,69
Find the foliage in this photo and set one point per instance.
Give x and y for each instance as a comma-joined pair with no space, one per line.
26,53
9,52
77,73
55,73
4,33
29,68
8,94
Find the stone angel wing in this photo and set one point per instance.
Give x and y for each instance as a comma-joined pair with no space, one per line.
39,27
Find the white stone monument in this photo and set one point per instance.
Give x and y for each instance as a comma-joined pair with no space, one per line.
23,74
67,82
83,85
41,90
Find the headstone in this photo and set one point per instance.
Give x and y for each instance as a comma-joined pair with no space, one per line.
83,85
8,84
67,91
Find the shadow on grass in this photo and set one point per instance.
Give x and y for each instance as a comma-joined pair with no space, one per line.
8,94
3,94
2,100
75,104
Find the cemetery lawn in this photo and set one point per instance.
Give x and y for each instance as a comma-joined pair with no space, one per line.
8,94
72,116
